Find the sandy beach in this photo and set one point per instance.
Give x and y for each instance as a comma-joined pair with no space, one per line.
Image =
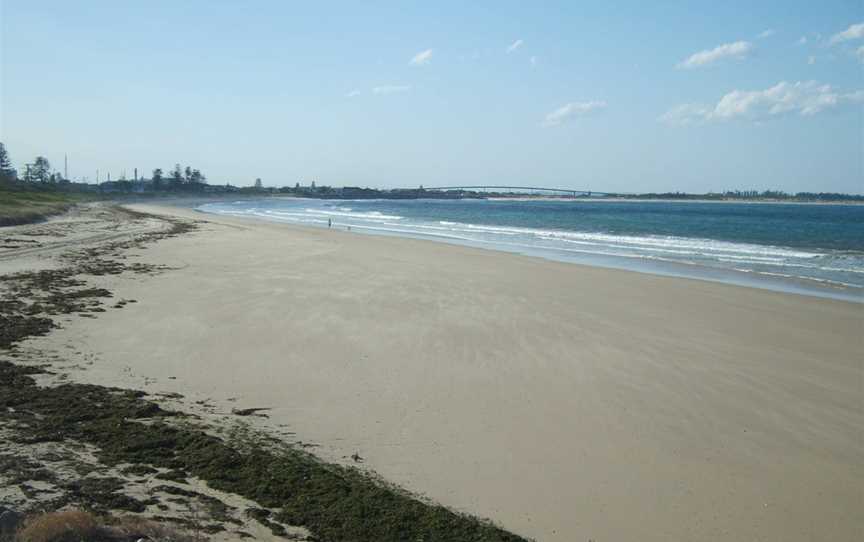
563,402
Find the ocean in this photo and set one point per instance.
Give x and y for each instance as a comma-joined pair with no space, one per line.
802,248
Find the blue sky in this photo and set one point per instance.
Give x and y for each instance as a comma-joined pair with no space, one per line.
638,96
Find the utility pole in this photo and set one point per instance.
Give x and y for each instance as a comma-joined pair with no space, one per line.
97,176
136,174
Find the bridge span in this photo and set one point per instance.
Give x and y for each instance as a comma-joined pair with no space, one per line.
520,190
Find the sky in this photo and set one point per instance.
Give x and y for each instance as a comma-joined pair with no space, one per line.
618,97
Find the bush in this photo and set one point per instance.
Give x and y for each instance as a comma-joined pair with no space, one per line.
79,526
68,526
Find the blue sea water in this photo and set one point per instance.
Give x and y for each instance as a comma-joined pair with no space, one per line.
811,249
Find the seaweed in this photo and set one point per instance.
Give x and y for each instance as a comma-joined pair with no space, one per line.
336,503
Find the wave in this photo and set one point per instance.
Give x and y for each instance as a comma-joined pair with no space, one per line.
367,215
631,240
798,277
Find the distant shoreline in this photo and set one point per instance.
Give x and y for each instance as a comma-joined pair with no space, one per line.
148,189
673,200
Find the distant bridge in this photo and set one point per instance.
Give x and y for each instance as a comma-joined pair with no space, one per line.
521,190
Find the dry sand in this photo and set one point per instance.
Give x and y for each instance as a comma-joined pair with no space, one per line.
564,402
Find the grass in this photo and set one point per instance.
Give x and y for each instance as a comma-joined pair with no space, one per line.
60,526
25,206
79,525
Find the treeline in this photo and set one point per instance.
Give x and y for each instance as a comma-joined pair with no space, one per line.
8,174
180,179
752,195
39,171
40,175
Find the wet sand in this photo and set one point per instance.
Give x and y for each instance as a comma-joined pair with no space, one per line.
564,402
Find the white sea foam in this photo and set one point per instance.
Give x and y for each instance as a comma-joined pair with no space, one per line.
371,215
703,245
799,277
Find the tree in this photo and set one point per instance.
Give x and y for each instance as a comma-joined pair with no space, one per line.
41,170
7,172
4,158
258,183
157,178
188,174
176,177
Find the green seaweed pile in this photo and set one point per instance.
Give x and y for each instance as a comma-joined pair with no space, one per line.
335,503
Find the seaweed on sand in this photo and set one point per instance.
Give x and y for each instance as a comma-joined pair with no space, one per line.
336,503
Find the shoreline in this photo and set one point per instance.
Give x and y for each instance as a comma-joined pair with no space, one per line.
681,270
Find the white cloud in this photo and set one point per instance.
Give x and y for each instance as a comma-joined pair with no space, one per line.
515,45
766,33
570,111
353,93
533,60
854,32
802,40
421,58
805,98
391,89
685,114
738,49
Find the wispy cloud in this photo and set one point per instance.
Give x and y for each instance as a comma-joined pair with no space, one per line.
353,93
738,49
686,114
805,98
515,45
570,111
421,58
533,60
767,33
391,89
854,32
802,40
